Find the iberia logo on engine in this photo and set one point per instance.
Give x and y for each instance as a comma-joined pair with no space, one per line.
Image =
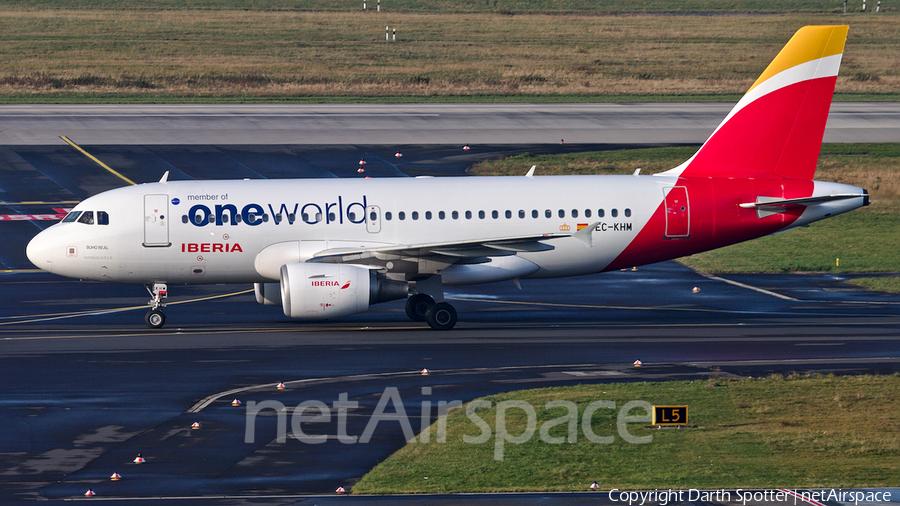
331,283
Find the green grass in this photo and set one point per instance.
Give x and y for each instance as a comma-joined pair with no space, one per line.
865,240
880,284
102,51
751,433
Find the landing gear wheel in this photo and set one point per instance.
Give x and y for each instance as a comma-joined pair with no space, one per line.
155,319
417,307
441,316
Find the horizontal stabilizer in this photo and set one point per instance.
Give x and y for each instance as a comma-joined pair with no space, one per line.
767,206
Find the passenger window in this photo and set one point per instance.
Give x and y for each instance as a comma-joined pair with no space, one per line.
415,215
495,214
508,214
600,213
72,216
574,213
521,214
87,218
455,215
628,213
614,212
331,217
468,215
548,213
442,215
102,218
373,216
587,213
305,217
427,215
562,213
388,216
401,215
351,216
534,213
184,218
480,215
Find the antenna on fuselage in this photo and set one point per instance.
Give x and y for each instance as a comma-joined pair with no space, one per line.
165,177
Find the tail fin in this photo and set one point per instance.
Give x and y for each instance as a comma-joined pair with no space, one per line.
777,127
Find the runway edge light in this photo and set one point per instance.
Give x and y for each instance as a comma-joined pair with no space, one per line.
195,425
139,459
341,490
425,372
280,386
696,289
89,493
236,402
595,486
638,363
115,477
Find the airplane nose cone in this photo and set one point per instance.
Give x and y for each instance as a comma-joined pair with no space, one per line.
39,252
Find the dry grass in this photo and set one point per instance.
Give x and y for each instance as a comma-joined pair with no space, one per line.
290,53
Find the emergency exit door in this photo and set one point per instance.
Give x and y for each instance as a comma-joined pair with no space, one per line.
156,221
678,213
373,219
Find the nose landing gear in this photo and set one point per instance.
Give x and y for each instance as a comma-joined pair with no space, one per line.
155,318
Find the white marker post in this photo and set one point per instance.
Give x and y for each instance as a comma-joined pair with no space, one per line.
878,6
864,6
394,35
387,33
378,7
364,4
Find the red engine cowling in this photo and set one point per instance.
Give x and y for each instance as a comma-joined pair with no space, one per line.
315,291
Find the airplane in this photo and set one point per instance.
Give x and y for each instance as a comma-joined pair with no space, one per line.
324,249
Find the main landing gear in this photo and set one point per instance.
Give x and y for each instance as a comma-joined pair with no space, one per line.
421,307
155,318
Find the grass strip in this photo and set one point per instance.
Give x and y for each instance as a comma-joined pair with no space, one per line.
864,240
796,431
879,284
162,52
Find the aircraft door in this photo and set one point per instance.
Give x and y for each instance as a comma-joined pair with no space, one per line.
156,221
678,213
373,219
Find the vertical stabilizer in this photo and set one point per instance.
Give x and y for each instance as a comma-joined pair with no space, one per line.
777,127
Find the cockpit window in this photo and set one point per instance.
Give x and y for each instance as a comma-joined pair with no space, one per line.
72,216
87,218
102,218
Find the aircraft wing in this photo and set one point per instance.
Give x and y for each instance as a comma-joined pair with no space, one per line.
428,258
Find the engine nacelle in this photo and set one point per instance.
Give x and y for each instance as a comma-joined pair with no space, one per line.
268,294
316,291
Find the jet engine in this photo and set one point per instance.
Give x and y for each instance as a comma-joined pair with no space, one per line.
315,291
